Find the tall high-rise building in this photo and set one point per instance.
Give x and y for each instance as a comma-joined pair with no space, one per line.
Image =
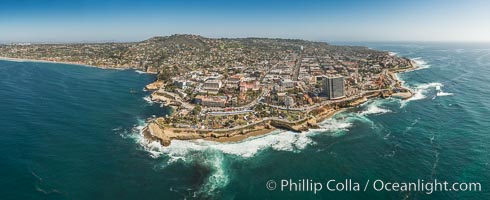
333,87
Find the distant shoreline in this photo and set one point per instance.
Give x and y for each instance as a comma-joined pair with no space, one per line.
58,62
69,63
48,61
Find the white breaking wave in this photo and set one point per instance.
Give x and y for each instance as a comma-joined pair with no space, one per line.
148,99
419,94
392,53
441,94
140,72
278,140
421,64
334,125
422,90
430,85
373,108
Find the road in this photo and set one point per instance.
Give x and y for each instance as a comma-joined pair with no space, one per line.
297,67
247,125
249,106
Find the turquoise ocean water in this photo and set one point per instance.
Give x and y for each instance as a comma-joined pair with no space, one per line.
72,132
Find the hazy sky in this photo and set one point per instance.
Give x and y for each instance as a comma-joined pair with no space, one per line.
133,20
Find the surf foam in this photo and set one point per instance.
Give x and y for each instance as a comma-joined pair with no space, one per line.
374,108
212,155
140,72
421,64
148,99
422,89
441,94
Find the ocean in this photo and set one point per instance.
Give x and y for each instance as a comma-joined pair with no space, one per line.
73,132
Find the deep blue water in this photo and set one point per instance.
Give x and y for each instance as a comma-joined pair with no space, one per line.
71,132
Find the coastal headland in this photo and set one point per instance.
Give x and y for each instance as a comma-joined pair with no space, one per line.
227,90
161,131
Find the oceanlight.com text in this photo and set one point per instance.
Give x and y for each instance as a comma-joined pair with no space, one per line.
349,185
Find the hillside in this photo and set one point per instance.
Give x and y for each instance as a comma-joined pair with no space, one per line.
176,53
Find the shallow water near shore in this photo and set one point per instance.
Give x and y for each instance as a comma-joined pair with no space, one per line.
72,132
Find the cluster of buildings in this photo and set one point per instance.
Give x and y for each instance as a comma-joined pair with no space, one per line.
235,75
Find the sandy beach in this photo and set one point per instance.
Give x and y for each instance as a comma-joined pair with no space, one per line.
59,62
47,61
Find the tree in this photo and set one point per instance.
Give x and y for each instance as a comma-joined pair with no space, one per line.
196,110
165,75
